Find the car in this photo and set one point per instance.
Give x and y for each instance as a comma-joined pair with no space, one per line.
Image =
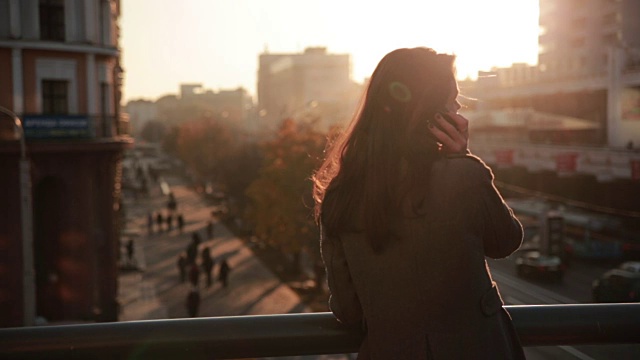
534,264
621,284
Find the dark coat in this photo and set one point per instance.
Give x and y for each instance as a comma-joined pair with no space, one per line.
429,293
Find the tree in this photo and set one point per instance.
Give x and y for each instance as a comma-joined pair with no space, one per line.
206,145
153,131
170,142
281,196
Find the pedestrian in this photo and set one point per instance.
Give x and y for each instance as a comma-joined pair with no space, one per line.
193,302
180,222
208,262
210,230
153,174
172,204
223,272
192,251
182,266
407,216
169,222
159,221
194,274
195,237
130,250
150,223
144,187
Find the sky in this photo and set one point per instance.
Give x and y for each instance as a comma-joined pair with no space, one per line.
217,42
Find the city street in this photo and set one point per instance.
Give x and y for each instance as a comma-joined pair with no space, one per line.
156,291
574,289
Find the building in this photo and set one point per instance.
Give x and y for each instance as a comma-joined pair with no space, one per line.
588,68
140,113
291,85
576,35
60,74
193,101
226,104
569,126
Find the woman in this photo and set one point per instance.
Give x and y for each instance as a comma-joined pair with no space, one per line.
407,217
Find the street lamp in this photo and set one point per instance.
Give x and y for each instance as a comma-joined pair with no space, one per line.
28,286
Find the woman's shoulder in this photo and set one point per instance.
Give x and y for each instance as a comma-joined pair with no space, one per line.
464,165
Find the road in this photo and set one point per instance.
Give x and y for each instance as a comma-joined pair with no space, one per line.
574,289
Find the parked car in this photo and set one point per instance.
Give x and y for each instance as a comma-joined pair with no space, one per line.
621,284
533,264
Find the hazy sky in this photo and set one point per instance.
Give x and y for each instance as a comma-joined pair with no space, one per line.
217,42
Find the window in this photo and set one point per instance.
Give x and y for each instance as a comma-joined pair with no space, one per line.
55,97
52,20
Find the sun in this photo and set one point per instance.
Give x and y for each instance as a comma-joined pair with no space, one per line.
482,34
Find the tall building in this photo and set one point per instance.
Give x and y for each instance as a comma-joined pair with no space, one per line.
61,76
576,35
292,84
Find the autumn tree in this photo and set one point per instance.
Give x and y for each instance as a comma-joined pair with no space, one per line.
153,131
281,196
206,145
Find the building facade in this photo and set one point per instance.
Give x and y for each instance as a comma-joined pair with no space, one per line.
291,85
234,106
61,76
576,35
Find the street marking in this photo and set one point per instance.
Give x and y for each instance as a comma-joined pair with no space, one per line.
575,352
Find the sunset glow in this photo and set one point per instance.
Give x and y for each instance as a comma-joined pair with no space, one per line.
217,43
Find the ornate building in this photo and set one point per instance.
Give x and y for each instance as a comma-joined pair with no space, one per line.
60,75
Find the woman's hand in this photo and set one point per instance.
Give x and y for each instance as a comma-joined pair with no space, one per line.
453,137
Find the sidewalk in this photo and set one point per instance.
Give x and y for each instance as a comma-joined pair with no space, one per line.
156,292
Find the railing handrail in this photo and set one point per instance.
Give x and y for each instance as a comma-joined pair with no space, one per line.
292,334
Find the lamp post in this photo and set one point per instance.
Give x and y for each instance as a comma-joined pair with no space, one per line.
26,216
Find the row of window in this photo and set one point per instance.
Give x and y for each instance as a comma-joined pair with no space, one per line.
52,20
545,44
55,97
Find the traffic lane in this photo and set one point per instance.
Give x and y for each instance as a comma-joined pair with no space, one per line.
576,282
517,291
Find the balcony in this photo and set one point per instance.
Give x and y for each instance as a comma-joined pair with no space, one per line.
292,334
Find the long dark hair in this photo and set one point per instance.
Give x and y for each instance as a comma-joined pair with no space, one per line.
385,154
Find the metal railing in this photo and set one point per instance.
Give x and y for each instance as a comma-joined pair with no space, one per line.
291,334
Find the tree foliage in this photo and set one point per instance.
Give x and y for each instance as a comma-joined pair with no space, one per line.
153,131
281,195
206,145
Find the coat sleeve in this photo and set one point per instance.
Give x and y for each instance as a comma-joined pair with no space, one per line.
501,230
343,300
